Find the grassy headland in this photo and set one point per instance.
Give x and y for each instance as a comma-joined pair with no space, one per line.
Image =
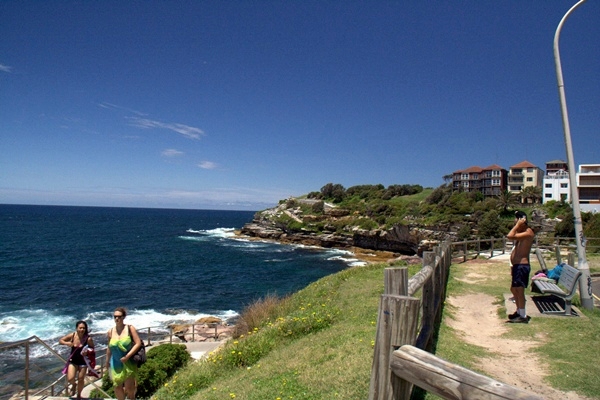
318,343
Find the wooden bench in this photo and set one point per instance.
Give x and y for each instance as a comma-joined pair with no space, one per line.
568,279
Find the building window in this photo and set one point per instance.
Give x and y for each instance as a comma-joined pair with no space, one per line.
548,185
564,185
495,173
530,179
495,182
464,176
548,195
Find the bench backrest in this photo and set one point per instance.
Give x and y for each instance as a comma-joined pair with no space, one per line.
568,278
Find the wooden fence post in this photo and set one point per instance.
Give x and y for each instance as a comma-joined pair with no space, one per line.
557,252
395,281
492,245
396,326
465,252
571,259
392,314
428,297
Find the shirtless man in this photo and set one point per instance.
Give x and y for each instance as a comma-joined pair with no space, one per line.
522,237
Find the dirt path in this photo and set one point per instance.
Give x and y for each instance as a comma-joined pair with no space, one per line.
480,325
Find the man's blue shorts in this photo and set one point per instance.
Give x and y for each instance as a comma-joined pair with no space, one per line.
520,275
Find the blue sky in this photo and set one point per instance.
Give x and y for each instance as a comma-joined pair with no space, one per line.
238,104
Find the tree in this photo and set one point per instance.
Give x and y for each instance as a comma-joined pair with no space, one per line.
531,194
506,200
336,192
490,225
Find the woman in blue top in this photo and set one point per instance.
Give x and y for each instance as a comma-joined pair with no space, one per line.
123,342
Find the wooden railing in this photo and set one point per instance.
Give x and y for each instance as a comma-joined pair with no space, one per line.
406,330
476,247
22,379
495,246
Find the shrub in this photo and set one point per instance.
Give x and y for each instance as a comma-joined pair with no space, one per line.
491,225
150,378
464,233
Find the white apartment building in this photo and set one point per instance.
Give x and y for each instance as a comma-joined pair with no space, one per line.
556,187
588,184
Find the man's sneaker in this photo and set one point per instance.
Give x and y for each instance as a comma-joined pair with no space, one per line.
513,315
520,320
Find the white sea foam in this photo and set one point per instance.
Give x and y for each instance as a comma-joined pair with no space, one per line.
217,232
352,262
19,325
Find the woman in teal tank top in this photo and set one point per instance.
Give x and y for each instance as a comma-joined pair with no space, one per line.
123,342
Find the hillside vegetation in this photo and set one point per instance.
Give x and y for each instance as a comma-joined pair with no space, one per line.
335,209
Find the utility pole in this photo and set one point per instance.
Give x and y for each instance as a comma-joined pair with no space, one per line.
585,282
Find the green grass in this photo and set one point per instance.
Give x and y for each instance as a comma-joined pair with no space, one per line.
319,343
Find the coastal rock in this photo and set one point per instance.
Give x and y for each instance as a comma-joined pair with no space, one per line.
399,239
407,239
209,320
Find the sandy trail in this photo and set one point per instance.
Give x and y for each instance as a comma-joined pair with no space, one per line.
513,361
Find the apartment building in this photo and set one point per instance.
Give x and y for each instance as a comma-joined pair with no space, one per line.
556,182
493,180
588,184
490,181
556,186
556,166
522,175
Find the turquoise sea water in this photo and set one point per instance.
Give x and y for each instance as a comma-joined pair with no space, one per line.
62,264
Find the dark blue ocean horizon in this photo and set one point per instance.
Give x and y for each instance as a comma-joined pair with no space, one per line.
59,264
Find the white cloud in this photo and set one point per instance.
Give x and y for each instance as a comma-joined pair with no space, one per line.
185,130
207,165
172,153
5,68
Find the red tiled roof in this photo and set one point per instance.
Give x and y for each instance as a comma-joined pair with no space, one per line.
469,170
524,164
492,167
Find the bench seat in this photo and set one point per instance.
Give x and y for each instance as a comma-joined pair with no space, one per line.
569,278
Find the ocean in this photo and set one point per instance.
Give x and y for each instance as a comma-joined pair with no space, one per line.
62,264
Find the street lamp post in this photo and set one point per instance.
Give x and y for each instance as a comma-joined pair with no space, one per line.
585,283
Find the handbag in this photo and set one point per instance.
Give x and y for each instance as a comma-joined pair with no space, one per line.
139,358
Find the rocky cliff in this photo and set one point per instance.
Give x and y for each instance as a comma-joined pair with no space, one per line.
288,223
